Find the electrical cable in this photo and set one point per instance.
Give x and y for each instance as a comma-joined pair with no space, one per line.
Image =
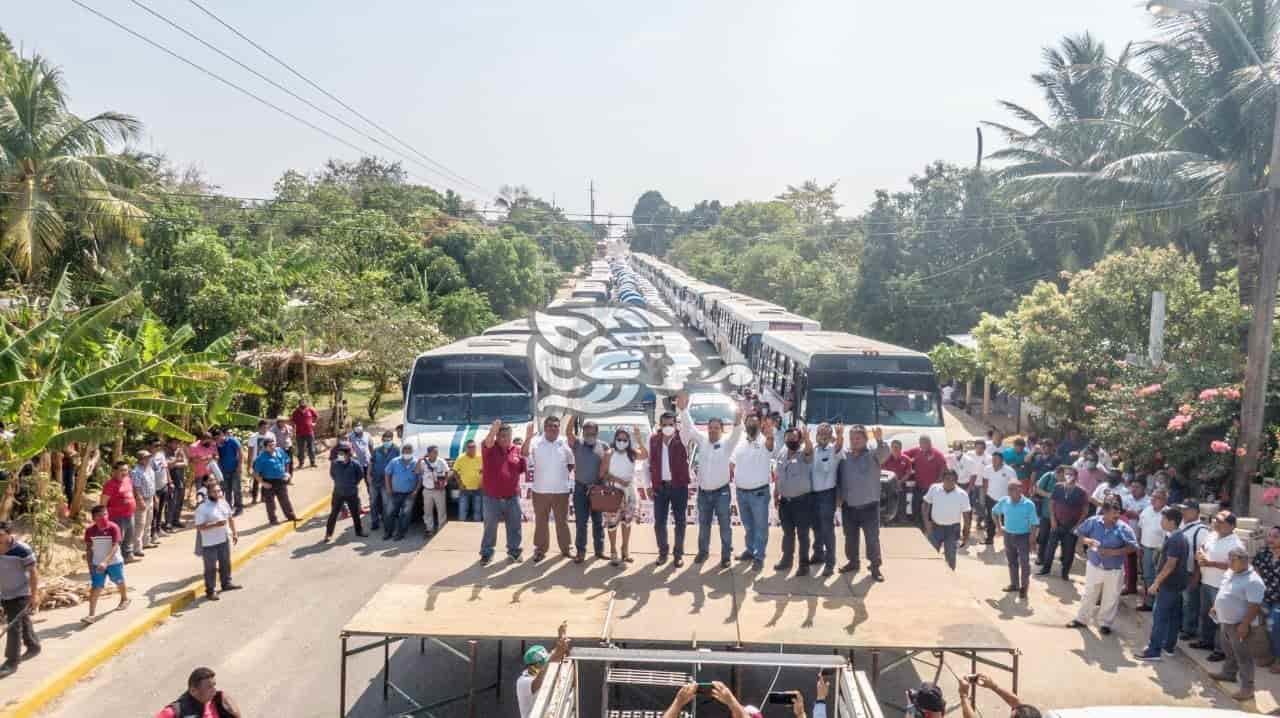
333,97
295,95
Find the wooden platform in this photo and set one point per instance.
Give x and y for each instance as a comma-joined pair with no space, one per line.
445,593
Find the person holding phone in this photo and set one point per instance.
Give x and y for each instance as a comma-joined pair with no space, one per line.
721,693
1017,709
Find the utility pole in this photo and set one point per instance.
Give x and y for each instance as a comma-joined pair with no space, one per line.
1155,344
591,191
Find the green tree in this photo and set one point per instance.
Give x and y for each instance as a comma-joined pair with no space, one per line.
464,313
653,224
58,167
813,203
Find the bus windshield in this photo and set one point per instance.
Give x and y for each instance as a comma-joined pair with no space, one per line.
876,404
469,390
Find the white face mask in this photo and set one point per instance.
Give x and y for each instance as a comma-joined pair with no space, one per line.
622,444
668,430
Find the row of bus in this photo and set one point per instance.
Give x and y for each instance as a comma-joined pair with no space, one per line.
455,392
817,375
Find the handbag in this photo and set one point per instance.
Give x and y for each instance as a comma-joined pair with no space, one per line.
605,499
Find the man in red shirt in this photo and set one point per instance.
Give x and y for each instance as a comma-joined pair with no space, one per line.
502,466
304,429
117,496
927,465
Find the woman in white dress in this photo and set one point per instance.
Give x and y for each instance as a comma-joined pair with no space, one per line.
618,469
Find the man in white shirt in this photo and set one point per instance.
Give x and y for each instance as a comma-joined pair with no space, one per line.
1213,560
1197,534
552,460
1151,538
714,454
995,486
536,660
217,527
946,508
435,480
749,467
1113,485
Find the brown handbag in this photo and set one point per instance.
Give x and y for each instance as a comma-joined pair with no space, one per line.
606,499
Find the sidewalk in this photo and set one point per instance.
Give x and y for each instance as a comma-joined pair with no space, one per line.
160,585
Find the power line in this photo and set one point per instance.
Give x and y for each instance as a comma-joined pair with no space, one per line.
333,97
288,91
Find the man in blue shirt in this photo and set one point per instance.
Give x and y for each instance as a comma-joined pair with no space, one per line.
1109,540
401,480
1016,520
272,466
1167,588
229,463
1015,457
378,462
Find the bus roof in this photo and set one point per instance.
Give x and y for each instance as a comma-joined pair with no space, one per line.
756,312
802,346
515,326
499,345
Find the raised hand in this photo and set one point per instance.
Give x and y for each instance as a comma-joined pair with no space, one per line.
878,434
682,400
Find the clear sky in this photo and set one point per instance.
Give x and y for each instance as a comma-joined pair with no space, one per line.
707,99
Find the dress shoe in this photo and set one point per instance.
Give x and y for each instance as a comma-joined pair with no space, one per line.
757,565
879,577
1243,695
700,558
1105,630
1200,646
828,571
30,653
746,556
817,558
662,558
1042,573
725,562
782,566
232,587
803,570
677,561
1145,608
1075,624
850,567
1216,657
485,560
1010,588
1223,677
1022,593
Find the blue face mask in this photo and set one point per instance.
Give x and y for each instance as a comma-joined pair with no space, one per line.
387,444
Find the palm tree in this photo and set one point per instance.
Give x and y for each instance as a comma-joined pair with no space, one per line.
57,169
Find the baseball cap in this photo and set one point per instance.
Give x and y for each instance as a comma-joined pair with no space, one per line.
928,697
536,656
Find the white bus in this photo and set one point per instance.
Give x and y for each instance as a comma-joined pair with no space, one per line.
838,377
455,393
737,323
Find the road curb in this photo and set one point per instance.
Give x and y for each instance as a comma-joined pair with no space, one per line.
56,684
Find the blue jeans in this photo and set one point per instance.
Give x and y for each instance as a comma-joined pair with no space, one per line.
1273,627
824,526
397,517
231,489
673,500
714,503
1191,610
471,505
508,512
1166,617
1149,556
753,507
946,538
377,500
581,514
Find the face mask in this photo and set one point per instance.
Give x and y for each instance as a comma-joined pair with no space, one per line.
387,444
668,430
793,444
359,432
589,440
407,457
344,459
622,444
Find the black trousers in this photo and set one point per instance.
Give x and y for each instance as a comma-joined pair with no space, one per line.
217,562
173,515
273,490
797,520
21,631
989,521
1066,536
864,519
673,501
335,509
1042,540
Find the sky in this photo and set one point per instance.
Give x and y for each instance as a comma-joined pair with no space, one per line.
700,100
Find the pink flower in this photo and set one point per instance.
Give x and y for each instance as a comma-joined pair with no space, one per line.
1240,451
1102,380
1220,447
1231,393
1271,495
1092,387
1208,395
1185,410
1149,390
1089,409
1178,422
